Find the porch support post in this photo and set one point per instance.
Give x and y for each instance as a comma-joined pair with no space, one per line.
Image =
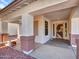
4,27
75,27
0,31
75,30
27,34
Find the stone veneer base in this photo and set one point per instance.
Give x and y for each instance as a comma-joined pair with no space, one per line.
27,43
73,39
77,41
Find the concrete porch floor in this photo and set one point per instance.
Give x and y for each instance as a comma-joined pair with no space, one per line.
54,49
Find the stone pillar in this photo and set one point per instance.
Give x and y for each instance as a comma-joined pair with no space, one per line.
27,34
4,31
0,32
75,29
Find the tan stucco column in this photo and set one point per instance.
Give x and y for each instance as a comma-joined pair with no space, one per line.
75,29
27,34
0,31
4,27
74,26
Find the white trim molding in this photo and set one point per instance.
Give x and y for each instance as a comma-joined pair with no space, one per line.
74,46
25,52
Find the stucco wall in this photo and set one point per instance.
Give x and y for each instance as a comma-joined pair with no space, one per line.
36,28
41,38
12,28
75,22
75,26
26,27
4,27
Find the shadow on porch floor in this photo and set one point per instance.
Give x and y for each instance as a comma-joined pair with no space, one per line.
54,49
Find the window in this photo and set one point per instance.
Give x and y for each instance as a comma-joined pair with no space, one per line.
65,29
46,27
53,29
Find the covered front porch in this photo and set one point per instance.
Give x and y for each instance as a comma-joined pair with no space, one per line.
50,32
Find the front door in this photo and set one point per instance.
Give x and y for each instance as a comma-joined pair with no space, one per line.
60,30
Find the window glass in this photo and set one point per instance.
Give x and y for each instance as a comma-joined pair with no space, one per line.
46,27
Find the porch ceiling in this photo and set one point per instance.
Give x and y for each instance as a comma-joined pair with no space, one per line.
64,5
59,15
14,20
